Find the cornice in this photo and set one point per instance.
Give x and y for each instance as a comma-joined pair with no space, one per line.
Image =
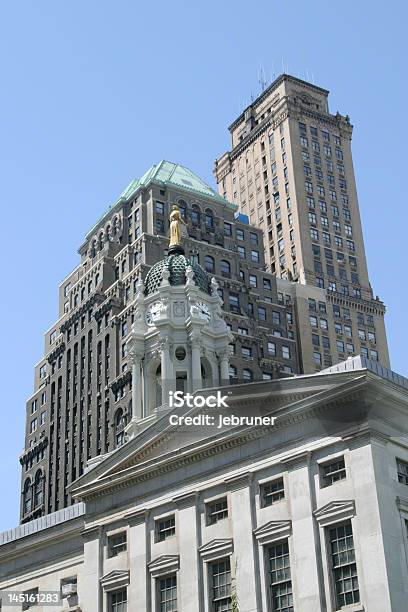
335,511
165,564
216,549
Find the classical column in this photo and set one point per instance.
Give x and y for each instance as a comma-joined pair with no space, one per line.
224,367
196,364
137,404
166,370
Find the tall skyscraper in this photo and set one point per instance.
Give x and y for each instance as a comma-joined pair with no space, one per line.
290,170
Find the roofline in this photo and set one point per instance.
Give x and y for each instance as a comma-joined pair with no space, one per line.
131,193
269,89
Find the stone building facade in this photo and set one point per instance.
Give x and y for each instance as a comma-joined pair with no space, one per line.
83,384
290,169
307,515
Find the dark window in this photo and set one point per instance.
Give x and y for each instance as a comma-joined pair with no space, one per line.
402,468
333,471
272,492
281,583
217,511
220,572
165,528
118,601
344,566
168,593
117,544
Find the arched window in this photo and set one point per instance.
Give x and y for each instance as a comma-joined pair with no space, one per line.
100,241
38,489
232,371
27,496
93,248
195,215
183,208
225,268
247,375
115,225
120,423
209,263
209,219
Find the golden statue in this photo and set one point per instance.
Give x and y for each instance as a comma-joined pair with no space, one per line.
175,226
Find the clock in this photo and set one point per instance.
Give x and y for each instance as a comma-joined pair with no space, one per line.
152,313
204,311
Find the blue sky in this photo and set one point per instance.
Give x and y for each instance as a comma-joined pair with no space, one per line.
94,92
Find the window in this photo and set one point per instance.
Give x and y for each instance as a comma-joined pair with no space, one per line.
253,237
276,318
252,280
247,375
165,528
242,331
272,348
33,425
267,284
209,219
313,321
272,492
233,302
42,418
246,351
167,587
255,256
240,234
261,313
160,208
227,229
118,601
225,268
220,573
217,511
43,371
209,263
315,340
241,252
314,233
33,406
343,564
28,604
285,352
332,471
280,577
402,470
117,544
340,346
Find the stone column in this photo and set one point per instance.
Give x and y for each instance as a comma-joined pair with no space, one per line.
137,402
224,368
89,586
196,364
245,573
166,371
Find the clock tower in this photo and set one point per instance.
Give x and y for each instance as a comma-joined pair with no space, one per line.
179,339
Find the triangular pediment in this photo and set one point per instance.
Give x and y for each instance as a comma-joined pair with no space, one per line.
216,548
335,511
273,530
115,579
162,442
164,564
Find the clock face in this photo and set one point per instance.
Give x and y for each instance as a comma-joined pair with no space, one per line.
204,311
152,313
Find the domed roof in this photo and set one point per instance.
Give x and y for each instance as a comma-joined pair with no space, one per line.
177,266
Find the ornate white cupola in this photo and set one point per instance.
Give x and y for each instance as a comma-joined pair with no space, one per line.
179,339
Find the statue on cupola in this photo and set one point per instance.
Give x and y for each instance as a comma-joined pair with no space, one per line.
179,338
176,224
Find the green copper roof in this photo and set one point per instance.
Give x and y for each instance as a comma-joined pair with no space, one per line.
169,174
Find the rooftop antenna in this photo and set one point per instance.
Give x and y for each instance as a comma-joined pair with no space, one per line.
261,79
